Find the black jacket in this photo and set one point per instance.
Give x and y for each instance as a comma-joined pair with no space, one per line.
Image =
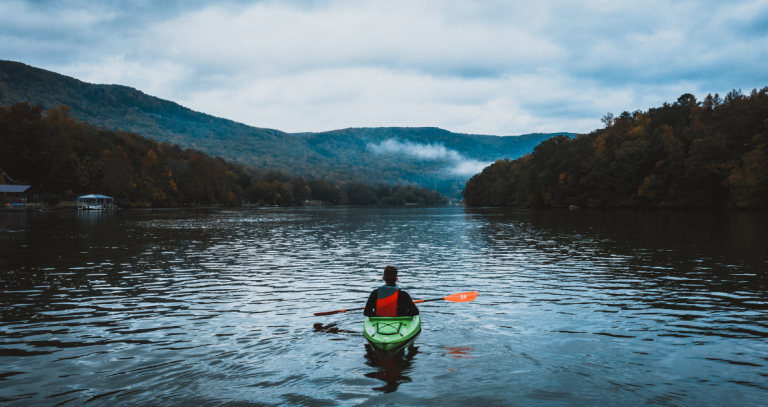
405,305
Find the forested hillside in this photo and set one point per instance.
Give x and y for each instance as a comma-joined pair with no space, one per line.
342,155
712,153
63,157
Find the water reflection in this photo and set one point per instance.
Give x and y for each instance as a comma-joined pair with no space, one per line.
459,351
215,307
391,368
333,329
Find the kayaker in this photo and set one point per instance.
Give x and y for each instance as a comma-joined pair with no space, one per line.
388,300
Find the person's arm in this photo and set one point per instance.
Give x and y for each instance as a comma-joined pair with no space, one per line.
404,300
370,306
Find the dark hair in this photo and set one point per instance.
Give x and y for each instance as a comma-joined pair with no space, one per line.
390,274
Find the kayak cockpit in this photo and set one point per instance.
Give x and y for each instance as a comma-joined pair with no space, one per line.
390,332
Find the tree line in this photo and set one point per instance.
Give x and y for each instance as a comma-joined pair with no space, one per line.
63,157
278,188
710,153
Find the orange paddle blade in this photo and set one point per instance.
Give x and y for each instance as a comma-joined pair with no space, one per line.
462,297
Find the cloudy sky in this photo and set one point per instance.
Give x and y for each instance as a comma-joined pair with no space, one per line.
490,67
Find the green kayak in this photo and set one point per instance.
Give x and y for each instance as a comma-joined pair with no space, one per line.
388,333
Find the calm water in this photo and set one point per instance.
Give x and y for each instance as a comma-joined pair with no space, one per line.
583,307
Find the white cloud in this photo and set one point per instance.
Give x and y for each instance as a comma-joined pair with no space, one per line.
486,67
458,164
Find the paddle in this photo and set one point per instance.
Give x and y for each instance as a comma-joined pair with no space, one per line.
460,297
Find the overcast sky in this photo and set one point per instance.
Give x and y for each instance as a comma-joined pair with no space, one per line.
490,67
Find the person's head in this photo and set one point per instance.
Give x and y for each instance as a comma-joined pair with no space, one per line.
390,274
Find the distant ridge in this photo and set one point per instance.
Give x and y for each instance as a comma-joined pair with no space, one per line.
343,155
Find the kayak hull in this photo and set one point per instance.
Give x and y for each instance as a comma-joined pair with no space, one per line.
387,333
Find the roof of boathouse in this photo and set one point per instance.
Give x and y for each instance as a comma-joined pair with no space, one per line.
14,188
94,196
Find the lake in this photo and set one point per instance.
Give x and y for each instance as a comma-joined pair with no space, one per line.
214,307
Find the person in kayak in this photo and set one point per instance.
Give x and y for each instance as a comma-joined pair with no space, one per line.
388,300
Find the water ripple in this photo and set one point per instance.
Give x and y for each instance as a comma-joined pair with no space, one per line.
215,307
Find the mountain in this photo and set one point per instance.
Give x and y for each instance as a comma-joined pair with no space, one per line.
430,156
60,155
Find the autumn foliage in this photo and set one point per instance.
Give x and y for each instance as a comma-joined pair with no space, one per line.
63,157
712,153
58,154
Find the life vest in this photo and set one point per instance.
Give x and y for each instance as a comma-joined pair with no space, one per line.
386,304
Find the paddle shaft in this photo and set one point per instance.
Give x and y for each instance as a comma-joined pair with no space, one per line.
337,312
460,297
358,309
434,299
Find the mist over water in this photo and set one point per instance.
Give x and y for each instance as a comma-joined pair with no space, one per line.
210,307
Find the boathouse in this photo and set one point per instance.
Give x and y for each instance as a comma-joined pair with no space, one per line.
95,202
15,196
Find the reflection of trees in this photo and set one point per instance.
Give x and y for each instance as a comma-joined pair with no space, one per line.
392,369
671,254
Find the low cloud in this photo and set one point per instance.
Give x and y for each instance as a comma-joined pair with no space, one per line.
459,164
